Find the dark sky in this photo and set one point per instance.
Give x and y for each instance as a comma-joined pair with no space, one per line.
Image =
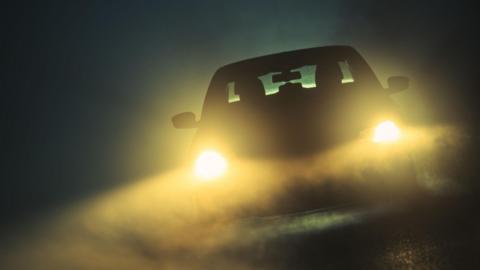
88,88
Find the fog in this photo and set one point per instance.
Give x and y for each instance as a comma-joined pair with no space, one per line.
159,222
88,151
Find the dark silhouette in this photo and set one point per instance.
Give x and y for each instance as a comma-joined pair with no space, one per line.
296,104
293,103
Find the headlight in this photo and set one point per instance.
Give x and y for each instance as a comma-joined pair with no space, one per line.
210,164
386,132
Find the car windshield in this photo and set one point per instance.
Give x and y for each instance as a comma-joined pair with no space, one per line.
274,83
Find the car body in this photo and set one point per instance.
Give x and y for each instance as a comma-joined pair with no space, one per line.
292,104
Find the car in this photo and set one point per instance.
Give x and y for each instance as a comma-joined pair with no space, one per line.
292,105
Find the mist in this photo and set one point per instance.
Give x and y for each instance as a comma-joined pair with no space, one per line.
159,222
92,173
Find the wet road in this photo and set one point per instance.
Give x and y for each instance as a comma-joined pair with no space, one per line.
438,233
130,230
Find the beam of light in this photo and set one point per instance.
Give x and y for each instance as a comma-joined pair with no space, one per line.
386,132
155,223
210,165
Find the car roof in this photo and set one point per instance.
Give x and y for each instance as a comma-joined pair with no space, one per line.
285,58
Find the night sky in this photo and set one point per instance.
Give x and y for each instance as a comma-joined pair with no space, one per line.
88,88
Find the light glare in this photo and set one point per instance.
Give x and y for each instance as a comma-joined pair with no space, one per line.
386,132
210,164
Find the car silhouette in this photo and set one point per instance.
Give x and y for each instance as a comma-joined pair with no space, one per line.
292,104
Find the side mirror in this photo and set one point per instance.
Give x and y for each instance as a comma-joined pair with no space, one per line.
184,120
397,84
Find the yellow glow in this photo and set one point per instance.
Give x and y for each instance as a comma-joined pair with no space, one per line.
210,164
386,132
